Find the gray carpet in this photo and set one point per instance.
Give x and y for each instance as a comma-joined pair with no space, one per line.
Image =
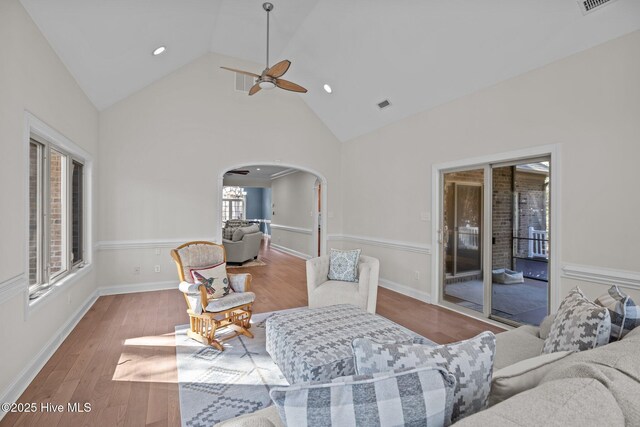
510,299
215,386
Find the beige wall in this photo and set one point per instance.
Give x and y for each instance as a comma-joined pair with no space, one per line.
32,78
163,149
588,103
293,199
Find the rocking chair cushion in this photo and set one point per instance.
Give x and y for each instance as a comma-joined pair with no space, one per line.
235,299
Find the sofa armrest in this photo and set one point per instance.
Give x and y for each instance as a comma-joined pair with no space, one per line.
317,271
240,282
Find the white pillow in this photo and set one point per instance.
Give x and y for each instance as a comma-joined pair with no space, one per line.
215,280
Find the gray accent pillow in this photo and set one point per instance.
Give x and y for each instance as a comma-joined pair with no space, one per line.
239,233
471,361
343,265
416,397
579,325
625,314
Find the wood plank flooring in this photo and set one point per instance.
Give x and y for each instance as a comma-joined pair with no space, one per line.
120,358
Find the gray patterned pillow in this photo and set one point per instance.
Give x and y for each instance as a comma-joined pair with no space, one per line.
343,265
417,397
625,314
579,325
471,362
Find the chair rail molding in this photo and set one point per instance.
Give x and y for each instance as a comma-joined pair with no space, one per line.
13,286
420,248
107,245
299,230
602,275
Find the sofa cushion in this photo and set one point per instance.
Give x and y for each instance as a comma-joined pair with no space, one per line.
575,402
471,361
522,376
625,314
343,265
239,232
516,345
545,326
421,396
579,325
214,278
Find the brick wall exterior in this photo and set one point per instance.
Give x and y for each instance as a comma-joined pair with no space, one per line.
33,214
502,223
56,227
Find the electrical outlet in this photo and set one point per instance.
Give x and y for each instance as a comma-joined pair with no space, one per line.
416,275
157,251
69,298
156,269
425,216
136,270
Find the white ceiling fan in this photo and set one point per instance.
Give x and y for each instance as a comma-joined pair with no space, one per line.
270,76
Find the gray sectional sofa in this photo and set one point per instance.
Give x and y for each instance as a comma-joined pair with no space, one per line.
593,387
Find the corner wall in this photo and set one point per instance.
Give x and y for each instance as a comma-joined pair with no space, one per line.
32,78
588,103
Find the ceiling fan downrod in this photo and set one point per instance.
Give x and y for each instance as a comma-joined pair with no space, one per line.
268,7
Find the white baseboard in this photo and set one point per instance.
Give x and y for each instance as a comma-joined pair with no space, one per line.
137,287
290,251
405,290
24,378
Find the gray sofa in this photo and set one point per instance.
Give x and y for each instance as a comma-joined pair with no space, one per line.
244,245
594,387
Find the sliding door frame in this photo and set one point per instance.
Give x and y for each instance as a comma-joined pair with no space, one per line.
552,151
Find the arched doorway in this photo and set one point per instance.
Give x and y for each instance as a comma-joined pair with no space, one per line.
313,196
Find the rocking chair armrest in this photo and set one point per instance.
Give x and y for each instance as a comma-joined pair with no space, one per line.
240,282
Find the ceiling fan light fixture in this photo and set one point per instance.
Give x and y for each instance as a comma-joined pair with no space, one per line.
266,84
159,50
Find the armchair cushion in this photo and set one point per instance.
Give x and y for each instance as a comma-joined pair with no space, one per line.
214,279
232,300
240,282
239,233
343,265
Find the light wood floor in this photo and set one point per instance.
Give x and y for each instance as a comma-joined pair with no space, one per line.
120,358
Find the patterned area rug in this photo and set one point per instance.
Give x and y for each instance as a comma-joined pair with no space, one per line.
252,263
215,386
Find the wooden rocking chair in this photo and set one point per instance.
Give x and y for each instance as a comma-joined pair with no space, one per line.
207,316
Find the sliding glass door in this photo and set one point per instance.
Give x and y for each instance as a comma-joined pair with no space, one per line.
507,276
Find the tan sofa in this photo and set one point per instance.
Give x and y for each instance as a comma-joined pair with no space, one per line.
594,387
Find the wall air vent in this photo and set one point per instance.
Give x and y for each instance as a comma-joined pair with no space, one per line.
588,6
244,82
384,104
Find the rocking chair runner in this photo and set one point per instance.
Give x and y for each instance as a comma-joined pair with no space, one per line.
207,316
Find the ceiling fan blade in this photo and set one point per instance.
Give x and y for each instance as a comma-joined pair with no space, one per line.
255,88
279,69
287,85
241,72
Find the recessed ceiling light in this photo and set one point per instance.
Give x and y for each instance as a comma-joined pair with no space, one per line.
327,88
159,50
257,169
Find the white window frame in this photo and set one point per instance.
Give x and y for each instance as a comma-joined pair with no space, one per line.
39,131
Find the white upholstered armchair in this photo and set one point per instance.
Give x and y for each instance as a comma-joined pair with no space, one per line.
323,292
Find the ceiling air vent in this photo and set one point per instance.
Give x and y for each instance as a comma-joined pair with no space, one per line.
384,104
244,82
588,6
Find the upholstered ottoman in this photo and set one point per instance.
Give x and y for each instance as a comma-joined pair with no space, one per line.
315,344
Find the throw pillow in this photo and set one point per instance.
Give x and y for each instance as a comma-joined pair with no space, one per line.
625,314
522,376
215,280
343,265
579,325
471,361
239,233
227,232
417,397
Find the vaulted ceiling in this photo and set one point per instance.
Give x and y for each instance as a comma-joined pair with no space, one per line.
416,53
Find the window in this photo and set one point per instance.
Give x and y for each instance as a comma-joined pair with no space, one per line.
56,217
233,203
